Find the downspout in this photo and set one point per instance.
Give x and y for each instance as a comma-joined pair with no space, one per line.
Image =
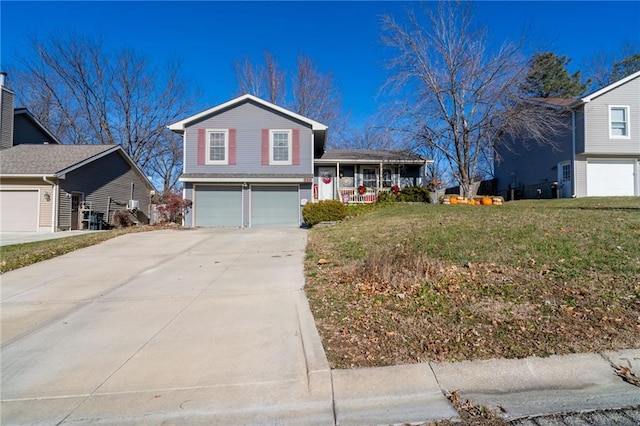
54,206
573,154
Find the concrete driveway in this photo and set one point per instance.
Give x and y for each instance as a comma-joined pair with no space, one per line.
198,326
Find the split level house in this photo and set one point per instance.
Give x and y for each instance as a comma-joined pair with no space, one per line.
46,186
597,153
248,162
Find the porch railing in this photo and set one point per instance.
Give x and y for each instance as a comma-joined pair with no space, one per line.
353,196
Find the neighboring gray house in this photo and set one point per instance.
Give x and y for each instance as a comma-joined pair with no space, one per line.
598,154
46,186
248,162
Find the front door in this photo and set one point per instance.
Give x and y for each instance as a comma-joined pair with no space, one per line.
564,179
326,183
75,208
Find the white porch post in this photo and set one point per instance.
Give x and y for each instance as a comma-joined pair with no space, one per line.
380,177
338,180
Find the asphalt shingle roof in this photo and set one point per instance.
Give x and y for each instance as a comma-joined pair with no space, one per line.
372,155
39,159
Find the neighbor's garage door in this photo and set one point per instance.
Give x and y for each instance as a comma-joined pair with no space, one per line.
275,206
610,177
18,211
218,206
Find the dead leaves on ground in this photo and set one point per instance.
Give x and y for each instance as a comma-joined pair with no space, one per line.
627,375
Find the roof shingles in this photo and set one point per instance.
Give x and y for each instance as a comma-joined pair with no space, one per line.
46,159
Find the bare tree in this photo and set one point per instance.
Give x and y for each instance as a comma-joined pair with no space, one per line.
167,163
313,94
265,81
458,97
316,96
604,68
86,94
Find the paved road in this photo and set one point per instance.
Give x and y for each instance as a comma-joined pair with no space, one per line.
165,325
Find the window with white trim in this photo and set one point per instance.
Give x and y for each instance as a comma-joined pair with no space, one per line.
217,146
369,178
566,172
280,147
619,121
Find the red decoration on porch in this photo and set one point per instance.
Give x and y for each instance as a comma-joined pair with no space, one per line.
362,189
395,189
326,179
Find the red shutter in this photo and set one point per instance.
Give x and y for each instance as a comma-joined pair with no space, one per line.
265,147
295,146
201,146
232,147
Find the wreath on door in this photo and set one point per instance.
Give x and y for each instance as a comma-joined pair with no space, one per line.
326,178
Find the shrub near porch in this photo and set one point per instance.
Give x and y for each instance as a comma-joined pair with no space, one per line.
415,283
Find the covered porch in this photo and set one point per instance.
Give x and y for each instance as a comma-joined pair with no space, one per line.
360,176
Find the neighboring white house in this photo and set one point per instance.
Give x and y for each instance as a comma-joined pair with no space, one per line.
598,154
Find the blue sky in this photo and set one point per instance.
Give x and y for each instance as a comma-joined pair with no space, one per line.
340,37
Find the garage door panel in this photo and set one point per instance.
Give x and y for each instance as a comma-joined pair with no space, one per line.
275,206
218,206
610,178
19,211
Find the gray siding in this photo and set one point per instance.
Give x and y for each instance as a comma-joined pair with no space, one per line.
597,139
579,129
248,119
25,132
6,118
527,164
188,195
109,176
581,177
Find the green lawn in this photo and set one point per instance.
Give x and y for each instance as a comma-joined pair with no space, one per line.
413,283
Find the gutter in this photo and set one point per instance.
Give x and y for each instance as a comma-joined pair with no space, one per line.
574,177
54,207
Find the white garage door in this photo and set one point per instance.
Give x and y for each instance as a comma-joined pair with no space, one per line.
18,211
610,178
275,206
218,206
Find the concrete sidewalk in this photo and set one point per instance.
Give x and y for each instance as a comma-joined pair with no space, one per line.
10,238
514,389
213,327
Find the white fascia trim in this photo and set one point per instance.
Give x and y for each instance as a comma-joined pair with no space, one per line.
319,161
611,86
180,125
26,175
244,180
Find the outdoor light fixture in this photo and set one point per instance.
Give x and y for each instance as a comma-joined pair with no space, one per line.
47,196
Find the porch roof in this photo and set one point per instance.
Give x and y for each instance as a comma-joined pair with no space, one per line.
363,156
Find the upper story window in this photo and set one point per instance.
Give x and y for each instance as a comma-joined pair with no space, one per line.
280,147
619,122
217,146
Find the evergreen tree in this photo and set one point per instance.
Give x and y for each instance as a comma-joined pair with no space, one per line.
625,67
548,78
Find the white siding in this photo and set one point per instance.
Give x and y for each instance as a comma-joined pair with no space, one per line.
597,140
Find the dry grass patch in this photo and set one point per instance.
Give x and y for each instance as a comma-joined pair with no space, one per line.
446,283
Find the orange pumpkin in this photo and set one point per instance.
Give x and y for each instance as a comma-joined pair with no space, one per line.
454,200
486,201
